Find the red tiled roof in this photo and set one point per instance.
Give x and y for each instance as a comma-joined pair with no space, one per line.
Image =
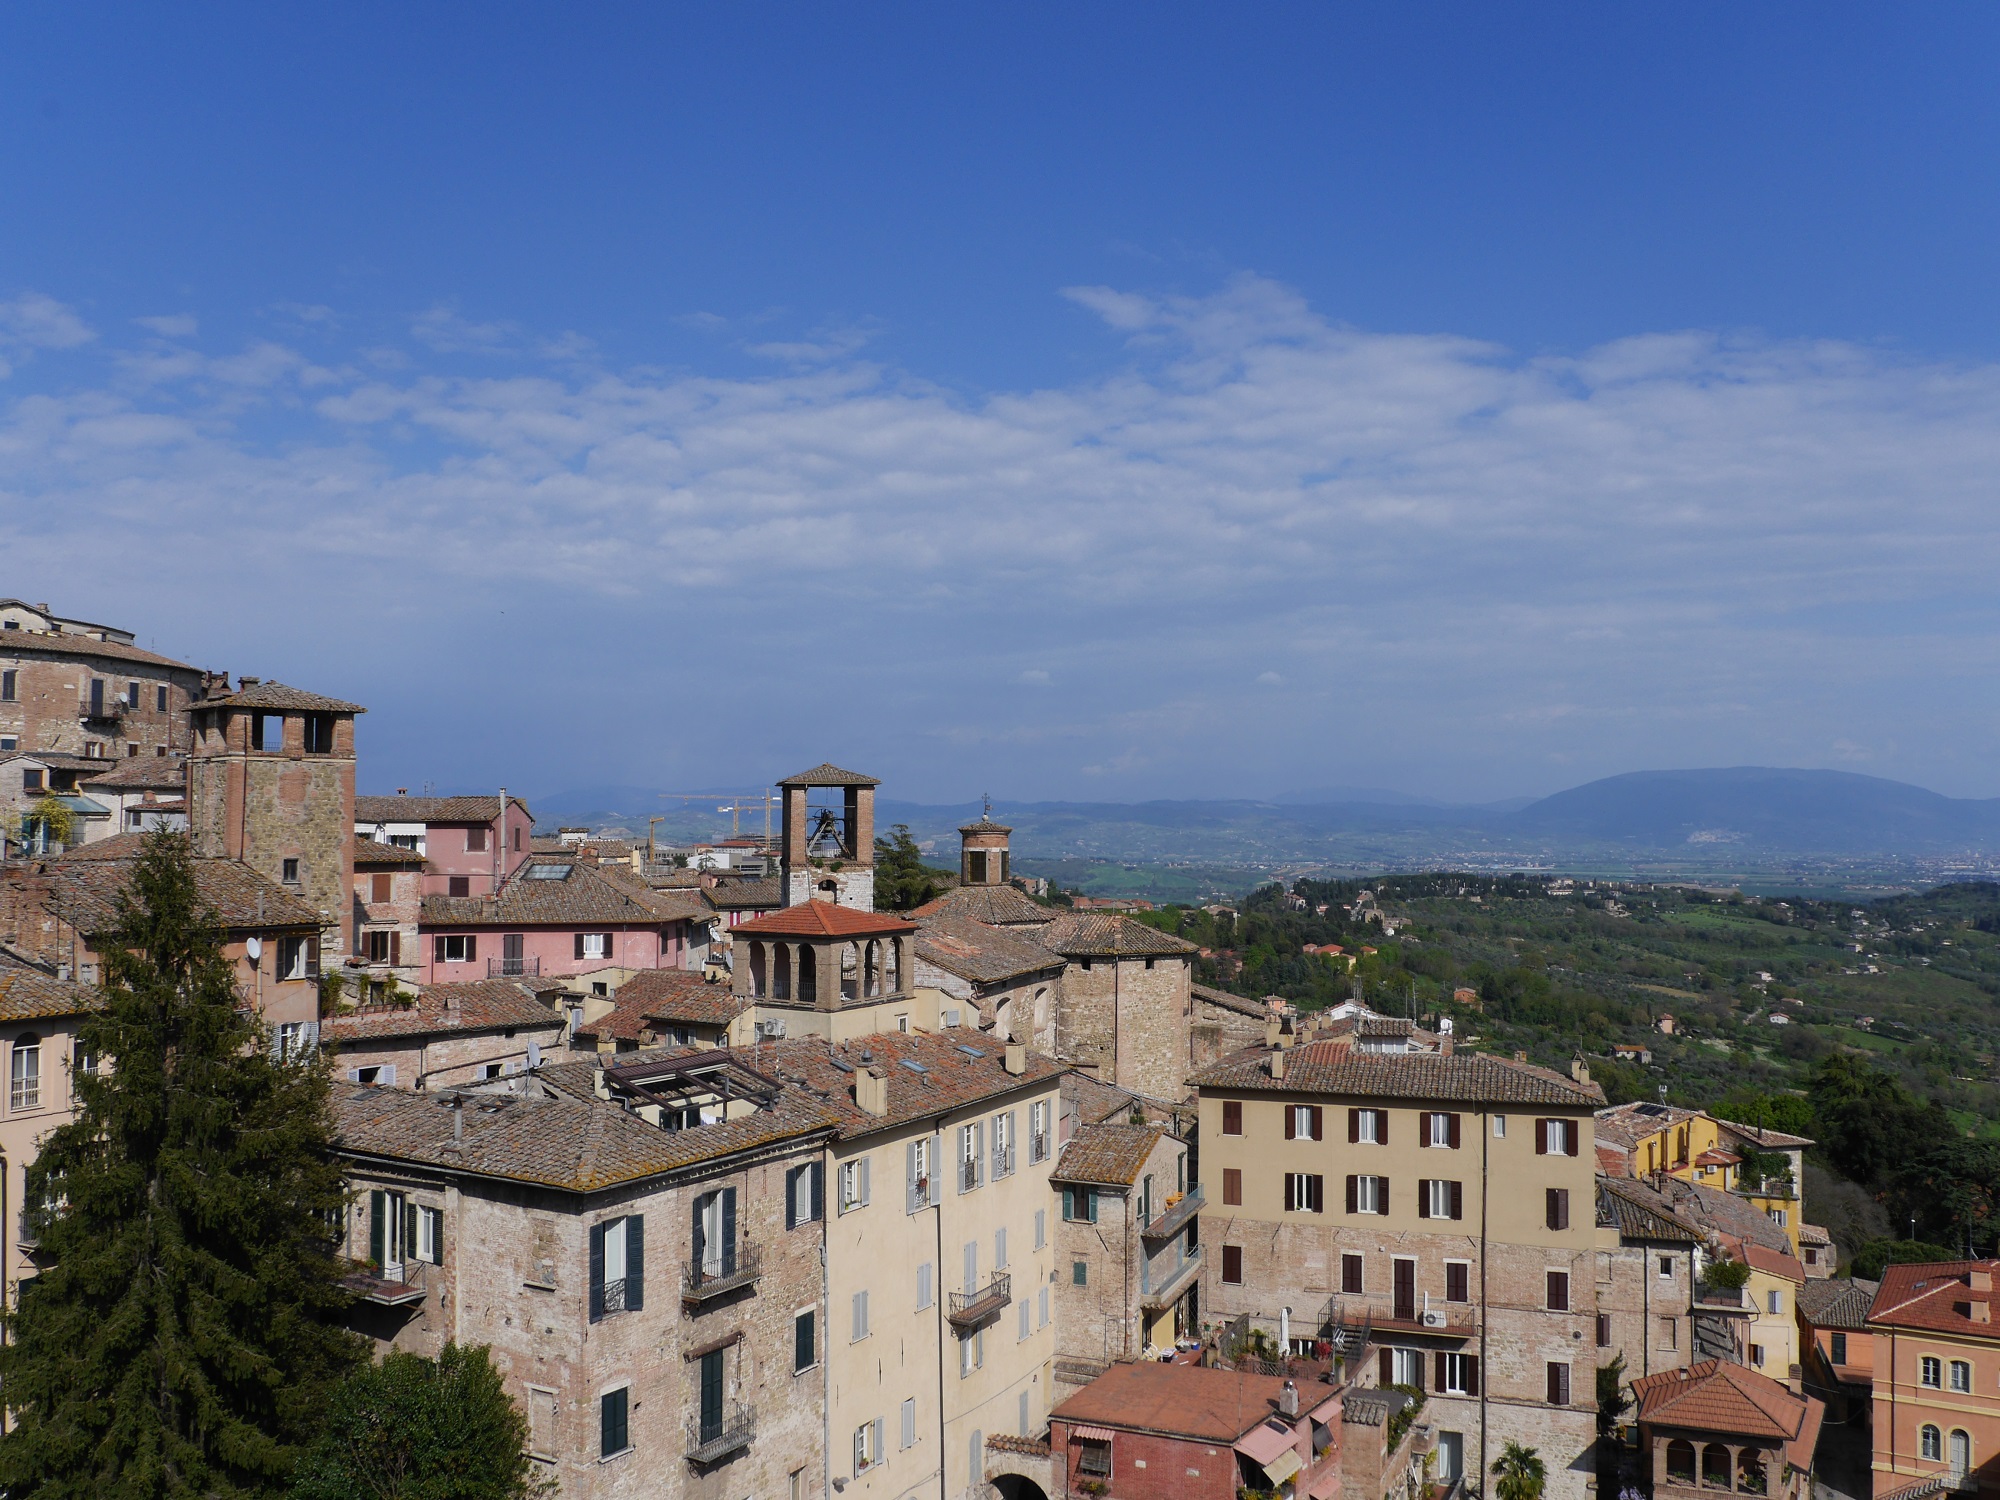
275,695
27,994
955,1067
995,905
1773,1262
141,773
1937,1297
826,774
824,919
1215,1406
403,809
667,995
1338,1067
477,1005
37,643
368,852
1724,1398
1108,935
88,887
1109,1154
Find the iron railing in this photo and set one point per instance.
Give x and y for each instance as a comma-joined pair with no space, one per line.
699,1282
715,1435
513,968
1174,1217
968,1308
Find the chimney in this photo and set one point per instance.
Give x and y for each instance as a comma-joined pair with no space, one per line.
1980,1280
247,682
1288,1400
871,1092
586,854
1277,1062
1271,1031
1447,1045
1520,1057
1579,1069
1980,1312
1017,1059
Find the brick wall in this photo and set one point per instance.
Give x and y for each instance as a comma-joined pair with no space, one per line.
52,682
1129,1022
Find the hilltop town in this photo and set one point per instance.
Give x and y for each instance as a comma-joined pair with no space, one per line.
754,1185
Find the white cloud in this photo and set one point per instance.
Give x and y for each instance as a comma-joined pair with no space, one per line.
36,321
1676,548
171,326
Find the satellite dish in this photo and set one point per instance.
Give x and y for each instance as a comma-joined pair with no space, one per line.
255,948
534,1054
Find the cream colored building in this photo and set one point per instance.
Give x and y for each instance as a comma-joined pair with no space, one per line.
939,1252
39,1016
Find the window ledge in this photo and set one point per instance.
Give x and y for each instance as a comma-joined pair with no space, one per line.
623,1452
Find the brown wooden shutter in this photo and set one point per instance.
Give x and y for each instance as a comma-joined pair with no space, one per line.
1232,1117
1558,1291
1549,1210
437,949
1423,1198
1291,1122
1573,1136
1232,1264
1318,1123
1291,1192
1471,1374
1454,1133
312,956
396,946
1457,1198
1381,1127
1353,1193
1541,1137
579,945
1385,1193
1353,1129
471,949
1437,1371
1350,1274
1388,1368
1232,1187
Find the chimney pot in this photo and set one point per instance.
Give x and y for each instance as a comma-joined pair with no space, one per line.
871,1092
1278,1063
1017,1059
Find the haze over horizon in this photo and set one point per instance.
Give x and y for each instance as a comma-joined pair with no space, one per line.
1101,406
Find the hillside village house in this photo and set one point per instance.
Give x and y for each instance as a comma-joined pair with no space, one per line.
452,1035
1442,1202
471,845
145,794
388,917
658,1008
1700,1149
1936,1405
1838,1351
1719,1428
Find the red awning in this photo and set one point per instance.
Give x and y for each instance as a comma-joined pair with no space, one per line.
1095,1434
1265,1442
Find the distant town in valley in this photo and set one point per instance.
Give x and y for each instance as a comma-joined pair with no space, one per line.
786,1140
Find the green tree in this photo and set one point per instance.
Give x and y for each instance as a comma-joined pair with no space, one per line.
1869,1260
902,880
1520,1473
412,1428
1613,1400
49,821
181,1339
1869,1124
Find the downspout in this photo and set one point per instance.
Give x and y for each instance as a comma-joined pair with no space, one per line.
828,1178
937,1176
1485,1372
1646,1312
500,842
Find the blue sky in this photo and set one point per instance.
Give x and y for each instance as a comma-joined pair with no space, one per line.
1107,402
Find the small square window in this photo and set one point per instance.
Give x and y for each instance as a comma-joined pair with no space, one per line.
1079,1273
291,872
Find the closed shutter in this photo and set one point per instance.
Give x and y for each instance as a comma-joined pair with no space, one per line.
728,1231
819,1190
700,1233
1388,1370
1471,1374
1438,1380
579,945
924,1285
597,1272
1353,1128
1350,1275
1382,1192
396,947
1000,1248
792,1183
1424,1199
1457,1197
1381,1127
1558,1207
377,1241
312,956
1291,1192
1232,1266
979,1154
437,950
1558,1291
1572,1136
1558,1385
1319,1123
1318,1193
1232,1117
635,1262
1232,1187
1353,1193
1291,1122
1454,1137
471,948
972,1265
1542,1141
864,1181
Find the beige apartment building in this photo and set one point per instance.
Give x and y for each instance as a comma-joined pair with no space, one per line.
1441,1201
939,1252
39,1017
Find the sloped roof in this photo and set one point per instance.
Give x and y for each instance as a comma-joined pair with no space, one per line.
983,954
1724,1214
995,905
1215,1406
476,1005
1762,1139
665,995
1628,1124
51,643
580,896
1243,1005
27,994
117,846
139,773
1837,1302
984,825
1639,1213
562,1141
368,852
1099,934
824,919
242,898
1339,1067
402,809
826,774
275,695
1723,1398
1109,1154
957,1067
1937,1297
668,903
1773,1262
762,894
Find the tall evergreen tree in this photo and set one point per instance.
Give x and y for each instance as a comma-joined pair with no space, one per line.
182,1338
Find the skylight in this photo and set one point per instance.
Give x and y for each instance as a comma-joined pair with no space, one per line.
548,872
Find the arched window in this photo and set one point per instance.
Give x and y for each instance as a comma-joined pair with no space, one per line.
27,1072
1715,1466
1961,1451
1750,1472
1680,1461
1931,1440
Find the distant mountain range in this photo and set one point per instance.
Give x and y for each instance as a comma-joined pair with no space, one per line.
1744,814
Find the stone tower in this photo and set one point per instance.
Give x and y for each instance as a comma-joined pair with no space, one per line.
982,851
829,847
270,781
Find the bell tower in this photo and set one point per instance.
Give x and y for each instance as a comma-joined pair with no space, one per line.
828,846
982,851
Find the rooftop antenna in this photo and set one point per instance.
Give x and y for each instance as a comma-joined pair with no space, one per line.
987,813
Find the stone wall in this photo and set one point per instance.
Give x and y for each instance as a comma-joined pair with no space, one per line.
52,681
1128,1020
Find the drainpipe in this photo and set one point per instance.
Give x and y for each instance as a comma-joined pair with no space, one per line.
939,1294
828,1178
500,842
1485,1370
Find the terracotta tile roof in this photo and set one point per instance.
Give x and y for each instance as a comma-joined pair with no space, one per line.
1813,1234
61,760
117,846
665,995
1723,1398
816,919
765,893
139,773
1762,1139
39,643
431,809
982,954
825,774
368,852
984,825
1215,1406
275,695
1737,1222
1614,1161
995,905
243,900
1937,1297
477,1005
1109,935
952,1078
1243,1005
666,903
1628,1124
27,994
1639,1213
1837,1302
559,1141
1338,1067
1773,1262
582,895
1715,1158
1110,1154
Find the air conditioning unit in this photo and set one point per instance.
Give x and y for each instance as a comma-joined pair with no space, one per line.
772,1030
1433,1319
948,1018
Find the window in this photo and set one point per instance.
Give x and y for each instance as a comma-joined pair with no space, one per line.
430,1235
1774,1302
1368,1195
290,868
805,1192
612,1434
1094,1458
1406,1366
1668,1334
457,950
379,1073
31,781
971,1354
1368,1127
8,685
1232,1265
858,1318
1457,1281
971,1170
1839,1350
1441,1129
458,885
617,1266
1961,1451
1304,1193
1458,1374
853,1184
294,958
1232,1187
1604,1330
380,887
384,947
1303,1122
1003,1144
1350,1275
592,945
267,731
1666,1268
1558,1291
1778,1216
160,700
1499,1127
1232,1109
923,1285
1757,1355
1038,1131
805,1344
318,733
918,1187
1557,1137
1080,1205
1932,1440
1558,1384
475,841
1556,1208
1450,1456
909,1434
9,742
1961,1375
1930,1371
867,1446
1438,1199
26,1089
1079,1271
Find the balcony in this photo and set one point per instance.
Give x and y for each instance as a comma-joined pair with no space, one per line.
387,1286
699,1284
1003,1161
711,1439
1163,1287
968,1175
513,968
970,1309
107,711
1175,1216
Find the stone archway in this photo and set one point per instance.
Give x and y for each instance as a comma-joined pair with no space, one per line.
1017,1468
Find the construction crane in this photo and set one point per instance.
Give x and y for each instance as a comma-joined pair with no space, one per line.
736,801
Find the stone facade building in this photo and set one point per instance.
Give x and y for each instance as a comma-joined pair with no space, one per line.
1436,1203
88,690
1647,1260
1126,1011
450,1036
145,793
387,918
